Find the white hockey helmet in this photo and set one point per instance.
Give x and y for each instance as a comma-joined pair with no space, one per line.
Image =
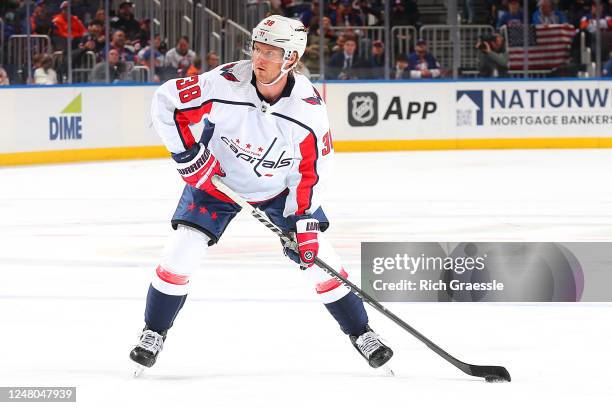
283,32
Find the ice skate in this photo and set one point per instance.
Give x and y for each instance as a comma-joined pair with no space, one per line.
146,352
372,349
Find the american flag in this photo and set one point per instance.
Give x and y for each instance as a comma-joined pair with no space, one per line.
549,46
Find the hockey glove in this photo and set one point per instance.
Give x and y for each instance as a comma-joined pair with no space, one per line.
197,166
306,235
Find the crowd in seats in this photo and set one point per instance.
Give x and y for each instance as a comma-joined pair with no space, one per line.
361,60
348,52
128,47
581,14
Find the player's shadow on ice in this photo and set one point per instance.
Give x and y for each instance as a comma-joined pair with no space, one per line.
272,374
289,374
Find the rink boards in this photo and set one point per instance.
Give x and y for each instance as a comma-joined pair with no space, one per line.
82,123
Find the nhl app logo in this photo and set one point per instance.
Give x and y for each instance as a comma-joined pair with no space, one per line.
362,109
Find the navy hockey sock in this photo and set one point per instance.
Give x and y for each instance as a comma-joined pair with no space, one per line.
350,314
161,309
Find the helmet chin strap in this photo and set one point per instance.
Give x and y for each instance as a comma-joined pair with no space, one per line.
283,72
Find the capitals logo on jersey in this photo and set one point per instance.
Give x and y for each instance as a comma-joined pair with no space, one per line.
314,100
257,157
226,72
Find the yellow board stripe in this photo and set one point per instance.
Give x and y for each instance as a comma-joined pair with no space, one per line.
81,155
150,152
468,144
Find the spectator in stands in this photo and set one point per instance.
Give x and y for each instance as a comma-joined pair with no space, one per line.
401,68
87,44
94,39
343,14
144,55
119,70
276,7
607,68
159,49
181,54
495,9
339,45
575,10
184,65
158,60
311,54
492,58
164,72
310,16
514,15
329,35
405,12
118,43
44,74
163,48
590,23
421,63
376,62
195,68
126,22
41,20
100,16
546,14
4,79
144,36
212,61
11,25
81,58
60,21
346,64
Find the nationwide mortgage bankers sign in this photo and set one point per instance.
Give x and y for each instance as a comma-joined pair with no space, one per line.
541,106
502,109
487,271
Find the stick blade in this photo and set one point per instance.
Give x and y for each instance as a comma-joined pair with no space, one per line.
491,373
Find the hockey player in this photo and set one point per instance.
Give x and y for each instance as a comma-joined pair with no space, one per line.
265,130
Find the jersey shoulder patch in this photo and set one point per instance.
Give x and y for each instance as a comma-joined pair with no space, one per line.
227,72
315,99
231,73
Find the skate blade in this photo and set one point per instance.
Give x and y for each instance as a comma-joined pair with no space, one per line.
388,371
138,370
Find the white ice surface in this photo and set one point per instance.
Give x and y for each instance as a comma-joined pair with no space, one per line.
79,244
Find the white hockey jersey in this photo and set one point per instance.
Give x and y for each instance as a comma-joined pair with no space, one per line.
263,148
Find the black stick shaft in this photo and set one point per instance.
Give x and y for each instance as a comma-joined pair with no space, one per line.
479,371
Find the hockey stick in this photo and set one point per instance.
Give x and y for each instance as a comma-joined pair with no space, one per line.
489,373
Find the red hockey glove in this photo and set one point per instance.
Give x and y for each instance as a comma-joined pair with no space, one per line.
197,166
307,232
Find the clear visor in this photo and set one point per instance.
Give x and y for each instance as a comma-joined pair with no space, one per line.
272,55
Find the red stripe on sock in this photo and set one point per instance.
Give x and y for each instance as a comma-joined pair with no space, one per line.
331,284
170,277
